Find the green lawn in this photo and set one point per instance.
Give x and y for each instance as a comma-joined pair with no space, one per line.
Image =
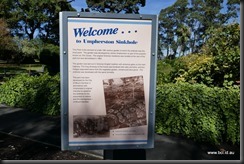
11,69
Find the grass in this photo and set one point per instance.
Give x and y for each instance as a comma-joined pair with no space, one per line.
19,68
8,70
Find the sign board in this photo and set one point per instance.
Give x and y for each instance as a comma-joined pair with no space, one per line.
108,80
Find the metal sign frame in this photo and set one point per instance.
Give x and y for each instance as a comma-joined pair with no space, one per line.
64,73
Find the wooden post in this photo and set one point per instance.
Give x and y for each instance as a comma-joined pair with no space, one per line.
5,72
29,70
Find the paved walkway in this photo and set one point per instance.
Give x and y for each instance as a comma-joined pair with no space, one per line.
46,129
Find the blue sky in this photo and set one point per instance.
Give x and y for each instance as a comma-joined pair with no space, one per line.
151,7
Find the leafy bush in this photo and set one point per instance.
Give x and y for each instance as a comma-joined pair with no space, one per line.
195,68
36,93
199,112
218,63
164,69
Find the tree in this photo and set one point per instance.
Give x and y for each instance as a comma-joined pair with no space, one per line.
206,14
172,27
133,81
218,64
183,33
50,30
110,82
233,8
5,7
34,18
224,45
116,6
166,29
30,49
183,26
7,45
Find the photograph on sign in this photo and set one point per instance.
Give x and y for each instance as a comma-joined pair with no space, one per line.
125,102
90,126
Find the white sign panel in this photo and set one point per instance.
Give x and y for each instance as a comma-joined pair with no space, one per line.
109,63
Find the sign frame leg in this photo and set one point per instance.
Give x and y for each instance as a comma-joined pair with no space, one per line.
125,154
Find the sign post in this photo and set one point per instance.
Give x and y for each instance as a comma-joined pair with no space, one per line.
125,154
108,80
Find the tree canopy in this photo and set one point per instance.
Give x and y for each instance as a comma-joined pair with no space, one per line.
183,26
218,63
7,45
116,6
34,18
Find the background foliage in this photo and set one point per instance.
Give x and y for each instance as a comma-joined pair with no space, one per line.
7,45
183,26
199,112
217,63
116,6
36,93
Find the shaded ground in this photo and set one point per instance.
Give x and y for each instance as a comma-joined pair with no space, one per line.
45,135
17,148
181,148
172,148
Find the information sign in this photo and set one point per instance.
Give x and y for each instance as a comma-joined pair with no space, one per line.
108,80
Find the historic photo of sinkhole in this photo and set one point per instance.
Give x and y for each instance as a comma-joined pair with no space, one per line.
90,126
125,102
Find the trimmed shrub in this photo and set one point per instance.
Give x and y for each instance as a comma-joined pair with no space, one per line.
199,112
36,93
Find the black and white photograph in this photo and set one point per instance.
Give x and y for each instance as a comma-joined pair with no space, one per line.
90,126
125,102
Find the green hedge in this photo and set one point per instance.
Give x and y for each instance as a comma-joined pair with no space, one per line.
36,93
199,112
196,111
